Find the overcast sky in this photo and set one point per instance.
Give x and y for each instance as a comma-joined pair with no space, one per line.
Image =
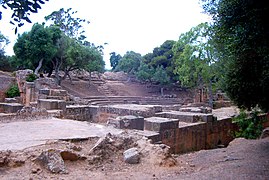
126,25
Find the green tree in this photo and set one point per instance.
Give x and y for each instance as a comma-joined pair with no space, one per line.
241,34
114,60
144,73
4,60
21,10
163,56
34,48
160,76
94,61
194,56
70,25
130,62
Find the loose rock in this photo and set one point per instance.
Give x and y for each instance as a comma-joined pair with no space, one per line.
52,160
131,156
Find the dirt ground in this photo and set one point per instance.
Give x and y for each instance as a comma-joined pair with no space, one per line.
242,159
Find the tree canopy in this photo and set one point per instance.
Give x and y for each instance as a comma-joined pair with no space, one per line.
241,34
58,47
193,56
21,10
36,46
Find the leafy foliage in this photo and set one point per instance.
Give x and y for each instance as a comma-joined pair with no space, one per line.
13,91
241,34
31,77
249,127
162,56
4,60
65,20
160,76
21,10
194,56
37,45
114,59
145,72
129,63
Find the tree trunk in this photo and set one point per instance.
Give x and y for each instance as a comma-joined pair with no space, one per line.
210,94
50,72
90,78
162,94
38,67
71,81
58,78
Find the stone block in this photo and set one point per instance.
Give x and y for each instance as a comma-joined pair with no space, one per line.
51,104
44,92
128,122
155,137
159,124
190,137
11,100
11,107
58,92
189,117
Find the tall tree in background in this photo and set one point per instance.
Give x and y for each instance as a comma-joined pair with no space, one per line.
3,42
70,25
145,72
160,76
193,56
130,62
162,56
4,60
114,60
94,61
241,32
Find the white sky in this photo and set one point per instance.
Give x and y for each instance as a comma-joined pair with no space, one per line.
126,25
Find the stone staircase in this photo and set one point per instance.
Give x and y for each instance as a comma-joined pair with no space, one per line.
106,100
53,100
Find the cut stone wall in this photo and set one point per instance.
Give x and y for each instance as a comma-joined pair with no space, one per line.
132,109
82,113
186,137
127,122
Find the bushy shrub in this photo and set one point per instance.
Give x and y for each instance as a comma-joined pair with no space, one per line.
13,91
31,77
250,126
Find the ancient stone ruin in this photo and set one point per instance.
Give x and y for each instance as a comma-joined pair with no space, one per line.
168,120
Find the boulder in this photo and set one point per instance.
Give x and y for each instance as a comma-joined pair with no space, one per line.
52,160
131,156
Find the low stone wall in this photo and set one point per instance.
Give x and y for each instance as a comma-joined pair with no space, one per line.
82,113
131,109
186,137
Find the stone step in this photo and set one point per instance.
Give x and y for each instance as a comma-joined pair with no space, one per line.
55,113
188,117
10,107
127,122
51,104
12,100
159,124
